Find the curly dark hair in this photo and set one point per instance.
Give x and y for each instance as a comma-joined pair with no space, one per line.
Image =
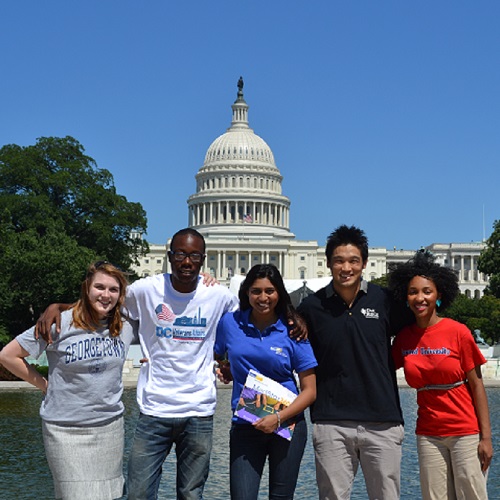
345,235
423,264
260,271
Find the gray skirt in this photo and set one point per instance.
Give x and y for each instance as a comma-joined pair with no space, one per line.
86,462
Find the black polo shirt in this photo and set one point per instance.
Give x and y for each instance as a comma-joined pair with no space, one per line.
355,373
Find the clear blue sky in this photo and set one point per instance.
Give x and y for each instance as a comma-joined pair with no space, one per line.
384,114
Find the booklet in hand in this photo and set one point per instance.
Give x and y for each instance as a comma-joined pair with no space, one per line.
262,396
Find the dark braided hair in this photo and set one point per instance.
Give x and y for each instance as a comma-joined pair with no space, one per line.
423,264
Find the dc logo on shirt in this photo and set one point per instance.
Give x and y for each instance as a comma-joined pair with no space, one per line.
369,313
279,351
165,333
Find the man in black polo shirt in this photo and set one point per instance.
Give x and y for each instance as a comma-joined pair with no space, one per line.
357,416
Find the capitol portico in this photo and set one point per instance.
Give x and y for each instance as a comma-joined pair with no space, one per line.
240,209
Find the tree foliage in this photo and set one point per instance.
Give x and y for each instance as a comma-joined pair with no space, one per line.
478,314
58,212
381,281
489,261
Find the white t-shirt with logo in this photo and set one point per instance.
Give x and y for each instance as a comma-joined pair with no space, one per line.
177,335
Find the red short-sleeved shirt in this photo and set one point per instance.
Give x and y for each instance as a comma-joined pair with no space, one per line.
440,354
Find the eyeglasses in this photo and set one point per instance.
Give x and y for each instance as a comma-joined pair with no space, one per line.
195,257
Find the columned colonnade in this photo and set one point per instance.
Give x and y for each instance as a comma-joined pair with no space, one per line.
234,212
466,265
223,264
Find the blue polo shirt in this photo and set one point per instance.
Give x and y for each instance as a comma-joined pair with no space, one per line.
271,352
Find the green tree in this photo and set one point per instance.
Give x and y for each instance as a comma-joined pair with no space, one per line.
489,261
58,212
382,281
478,314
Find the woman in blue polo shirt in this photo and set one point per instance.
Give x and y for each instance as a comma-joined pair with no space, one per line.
256,338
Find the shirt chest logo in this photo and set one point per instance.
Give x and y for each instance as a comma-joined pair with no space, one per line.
279,351
180,328
369,313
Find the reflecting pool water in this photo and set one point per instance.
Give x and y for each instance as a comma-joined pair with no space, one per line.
24,473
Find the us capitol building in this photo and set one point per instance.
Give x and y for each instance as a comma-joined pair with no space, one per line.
240,209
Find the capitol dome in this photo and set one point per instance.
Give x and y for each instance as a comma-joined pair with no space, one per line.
239,184
239,144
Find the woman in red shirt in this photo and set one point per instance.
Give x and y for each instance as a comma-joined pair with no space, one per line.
442,361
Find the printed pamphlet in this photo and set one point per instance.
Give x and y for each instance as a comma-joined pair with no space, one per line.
262,396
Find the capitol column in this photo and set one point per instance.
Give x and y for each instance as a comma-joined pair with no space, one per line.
462,268
219,262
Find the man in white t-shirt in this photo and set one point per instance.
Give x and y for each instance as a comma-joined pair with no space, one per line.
176,390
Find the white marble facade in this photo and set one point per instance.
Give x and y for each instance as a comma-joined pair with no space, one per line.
240,209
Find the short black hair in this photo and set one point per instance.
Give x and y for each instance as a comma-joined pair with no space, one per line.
423,264
260,271
345,235
192,232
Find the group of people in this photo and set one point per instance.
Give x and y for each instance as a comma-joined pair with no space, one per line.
344,370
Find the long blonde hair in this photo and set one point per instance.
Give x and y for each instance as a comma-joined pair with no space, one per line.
84,315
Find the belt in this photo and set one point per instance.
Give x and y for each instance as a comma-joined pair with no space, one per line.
442,387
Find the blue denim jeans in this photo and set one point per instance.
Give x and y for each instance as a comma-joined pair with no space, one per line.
153,440
249,449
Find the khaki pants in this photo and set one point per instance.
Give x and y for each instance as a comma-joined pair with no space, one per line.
341,446
450,468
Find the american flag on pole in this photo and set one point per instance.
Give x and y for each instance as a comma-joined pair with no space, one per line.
247,218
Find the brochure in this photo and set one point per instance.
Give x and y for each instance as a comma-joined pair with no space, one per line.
262,396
